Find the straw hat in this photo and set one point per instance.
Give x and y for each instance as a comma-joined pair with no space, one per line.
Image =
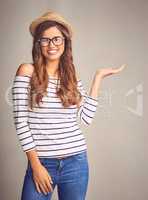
50,15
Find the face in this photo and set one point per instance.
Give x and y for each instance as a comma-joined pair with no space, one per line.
54,49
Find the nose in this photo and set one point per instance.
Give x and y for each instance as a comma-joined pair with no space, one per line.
51,44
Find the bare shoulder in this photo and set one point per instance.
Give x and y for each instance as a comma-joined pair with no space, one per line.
25,69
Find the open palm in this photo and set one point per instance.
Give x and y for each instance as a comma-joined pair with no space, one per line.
109,71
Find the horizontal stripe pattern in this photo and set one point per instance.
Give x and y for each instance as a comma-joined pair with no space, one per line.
88,106
50,129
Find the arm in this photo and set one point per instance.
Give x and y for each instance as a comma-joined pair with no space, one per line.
99,75
41,176
88,105
20,112
89,102
95,87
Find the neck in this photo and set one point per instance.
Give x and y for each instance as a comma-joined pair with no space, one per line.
52,67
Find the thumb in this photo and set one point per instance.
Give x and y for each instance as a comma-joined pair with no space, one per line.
50,179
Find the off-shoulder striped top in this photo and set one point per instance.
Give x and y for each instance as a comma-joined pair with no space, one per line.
51,129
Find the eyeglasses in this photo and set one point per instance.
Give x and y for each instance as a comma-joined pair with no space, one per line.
57,40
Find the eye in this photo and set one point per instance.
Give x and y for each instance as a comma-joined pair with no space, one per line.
57,38
44,39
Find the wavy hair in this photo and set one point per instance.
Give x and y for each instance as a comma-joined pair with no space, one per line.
68,91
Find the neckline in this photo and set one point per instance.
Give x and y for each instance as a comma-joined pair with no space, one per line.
53,77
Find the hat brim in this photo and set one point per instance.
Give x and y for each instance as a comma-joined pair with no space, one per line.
51,17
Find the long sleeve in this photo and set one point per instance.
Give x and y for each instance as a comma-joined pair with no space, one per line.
87,107
20,90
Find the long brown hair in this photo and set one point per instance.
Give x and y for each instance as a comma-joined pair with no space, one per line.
68,91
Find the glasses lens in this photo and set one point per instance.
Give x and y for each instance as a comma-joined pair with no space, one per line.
57,40
44,42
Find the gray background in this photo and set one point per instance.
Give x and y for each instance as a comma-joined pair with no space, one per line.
108,33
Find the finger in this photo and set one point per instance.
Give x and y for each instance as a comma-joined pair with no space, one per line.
37,187
43,188
122,67
118,69
49,186
50,179
50,182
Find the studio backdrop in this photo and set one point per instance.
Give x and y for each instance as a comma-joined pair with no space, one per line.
107,33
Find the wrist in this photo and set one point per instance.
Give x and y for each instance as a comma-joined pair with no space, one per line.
35,164
33,159
98,75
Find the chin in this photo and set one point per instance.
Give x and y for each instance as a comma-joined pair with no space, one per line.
56,56
53,57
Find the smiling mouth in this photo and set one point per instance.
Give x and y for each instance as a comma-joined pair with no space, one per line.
52,51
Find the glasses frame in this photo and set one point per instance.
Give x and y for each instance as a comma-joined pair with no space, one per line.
51,39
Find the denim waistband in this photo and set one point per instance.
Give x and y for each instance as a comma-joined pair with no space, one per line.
84,153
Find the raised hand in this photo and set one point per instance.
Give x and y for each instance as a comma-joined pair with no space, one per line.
99,75
109,71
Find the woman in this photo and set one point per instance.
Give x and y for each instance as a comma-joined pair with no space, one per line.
48,97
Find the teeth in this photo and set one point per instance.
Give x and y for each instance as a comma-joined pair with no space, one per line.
52,51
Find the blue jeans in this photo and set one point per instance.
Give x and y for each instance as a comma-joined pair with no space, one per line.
70,174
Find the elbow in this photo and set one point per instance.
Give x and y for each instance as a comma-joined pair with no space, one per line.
86,121
25,136
86,118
